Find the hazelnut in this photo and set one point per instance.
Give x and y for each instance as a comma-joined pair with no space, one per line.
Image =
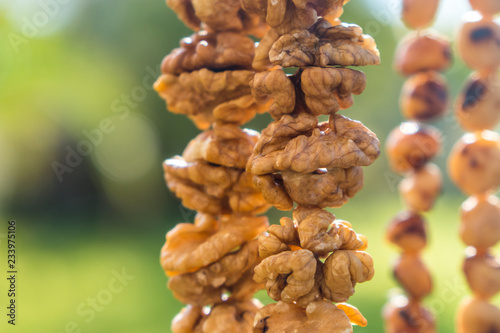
479,42
477,316
421,188
413,276
480,225
483,275
411,145
419,14
408,230
486,7
474,162
408,318
478,106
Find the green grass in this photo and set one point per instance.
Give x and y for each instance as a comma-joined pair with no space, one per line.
60,271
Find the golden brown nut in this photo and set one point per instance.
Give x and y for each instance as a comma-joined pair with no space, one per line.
327,90
486,7
198,94
217,15
421,187
483,275
480,225
419,53
215,51
418,14
277,86
477,316
342,270
223,317
477,106
323,188
342,143
410,146
319,233
287,15
474,162
325,45
408,318
212,189
408,230
413,276
226,145
319,316
479,42
287,275
192,246
278,238
207,285
273,191
424,96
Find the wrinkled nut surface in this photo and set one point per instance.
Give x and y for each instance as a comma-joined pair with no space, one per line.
273,191
319,233
287,15
217,15
411,145
277,86
477,106
287,275
207,285
192,246
483,275
319,316
418,14
226,145
474,162
413,276
408,230
342,270
480,226
214,51
198,94
325,45
290,144
486,7
227,316
327,90
278,238
424,96
213,189
421,187
479,42
323,188
419,53
477,316
410,318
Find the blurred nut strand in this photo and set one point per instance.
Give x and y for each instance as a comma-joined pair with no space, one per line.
474,165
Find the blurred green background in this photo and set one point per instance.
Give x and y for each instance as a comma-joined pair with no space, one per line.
71,69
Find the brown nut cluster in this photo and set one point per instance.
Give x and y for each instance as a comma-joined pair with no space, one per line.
474,162
291,269
411,145
217,15
474,165
476,108
210,264
205,95
320,316
410,149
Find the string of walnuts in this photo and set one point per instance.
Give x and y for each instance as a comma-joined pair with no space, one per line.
474,166
312,260
410,147
229,176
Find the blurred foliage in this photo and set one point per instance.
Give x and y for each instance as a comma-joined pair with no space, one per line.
69,71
